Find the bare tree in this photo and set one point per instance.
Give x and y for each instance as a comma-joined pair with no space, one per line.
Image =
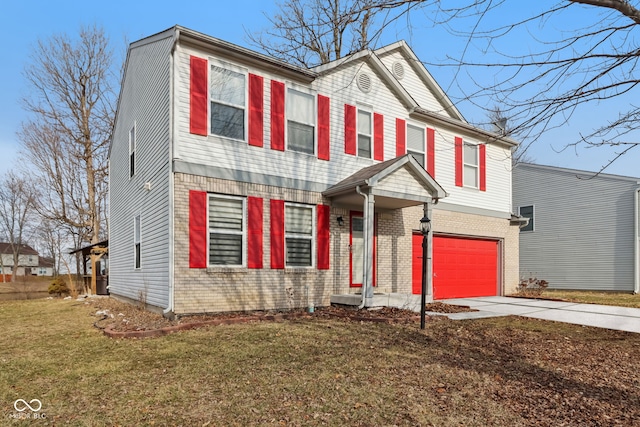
65,141
16,210
579,53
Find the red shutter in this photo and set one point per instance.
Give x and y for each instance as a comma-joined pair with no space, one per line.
323,237
256,110
324,119
378,136
277,115
198,96
431,152
458,145
277,234
483,167
401,138
254,232
197,229
350,132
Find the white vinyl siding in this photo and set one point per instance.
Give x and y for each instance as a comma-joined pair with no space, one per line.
228,95
301,121
416,143
299,226
227,237
365,124
470,168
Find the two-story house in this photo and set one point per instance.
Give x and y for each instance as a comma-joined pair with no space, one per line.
239,182
28,260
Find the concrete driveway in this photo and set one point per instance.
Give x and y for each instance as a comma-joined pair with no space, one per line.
600,316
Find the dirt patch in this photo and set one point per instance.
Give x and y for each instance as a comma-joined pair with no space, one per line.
440,307
116,316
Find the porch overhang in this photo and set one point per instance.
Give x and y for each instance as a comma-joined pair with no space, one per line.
395,184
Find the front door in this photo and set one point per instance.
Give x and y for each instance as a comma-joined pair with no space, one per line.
356,250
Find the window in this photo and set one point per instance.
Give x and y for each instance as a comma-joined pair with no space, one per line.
470,168
527,212
299,235
301,122
227,91
132,151
415,143
226,230
364,134
136,242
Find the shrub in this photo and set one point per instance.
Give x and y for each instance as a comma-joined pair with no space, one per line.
58,286
532,286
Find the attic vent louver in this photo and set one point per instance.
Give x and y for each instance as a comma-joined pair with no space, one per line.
398,70
364,82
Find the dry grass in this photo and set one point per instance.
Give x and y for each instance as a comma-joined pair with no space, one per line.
622,299
498,372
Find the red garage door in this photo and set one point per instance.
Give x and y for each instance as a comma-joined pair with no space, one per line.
461,267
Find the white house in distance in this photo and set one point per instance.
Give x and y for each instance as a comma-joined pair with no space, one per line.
27,260
584,228
239,182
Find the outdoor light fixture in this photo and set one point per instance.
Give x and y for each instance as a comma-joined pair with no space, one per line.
425,227
340,221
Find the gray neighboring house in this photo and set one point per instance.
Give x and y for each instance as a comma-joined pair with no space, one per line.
583,231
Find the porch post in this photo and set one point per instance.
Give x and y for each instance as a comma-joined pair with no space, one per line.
369,216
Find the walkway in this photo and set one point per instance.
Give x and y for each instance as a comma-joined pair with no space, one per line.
600,316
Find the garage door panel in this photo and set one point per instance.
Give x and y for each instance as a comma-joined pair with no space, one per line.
462,267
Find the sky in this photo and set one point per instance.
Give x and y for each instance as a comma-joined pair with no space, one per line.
27,21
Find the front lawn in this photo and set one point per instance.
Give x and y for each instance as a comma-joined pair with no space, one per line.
493,372
622,299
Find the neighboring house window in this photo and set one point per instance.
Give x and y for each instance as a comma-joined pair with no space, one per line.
415,143
136,241
527,212
299,228
301,122
470,167
132,151
364,134
226,230
227,90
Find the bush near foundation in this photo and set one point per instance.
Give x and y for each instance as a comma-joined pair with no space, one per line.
532,286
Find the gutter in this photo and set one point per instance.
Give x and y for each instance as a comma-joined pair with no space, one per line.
636,240
169,311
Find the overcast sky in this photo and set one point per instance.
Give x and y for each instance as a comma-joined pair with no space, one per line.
26,21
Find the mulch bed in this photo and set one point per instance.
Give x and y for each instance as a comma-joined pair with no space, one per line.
121,320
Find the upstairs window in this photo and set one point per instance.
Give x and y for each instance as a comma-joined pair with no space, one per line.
301,122
227,91
299,235
226,230
527,212
470,165
132,151
415,143
364,134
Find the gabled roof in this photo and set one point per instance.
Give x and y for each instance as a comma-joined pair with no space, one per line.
5,248
371,176
578,172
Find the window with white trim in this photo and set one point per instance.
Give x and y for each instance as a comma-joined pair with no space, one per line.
137,242
415,143
365,124
299,239
301,121
227,231
132,151
228,97
527,212
470,166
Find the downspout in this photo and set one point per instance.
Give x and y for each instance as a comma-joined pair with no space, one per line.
169,311
365,280
636,240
